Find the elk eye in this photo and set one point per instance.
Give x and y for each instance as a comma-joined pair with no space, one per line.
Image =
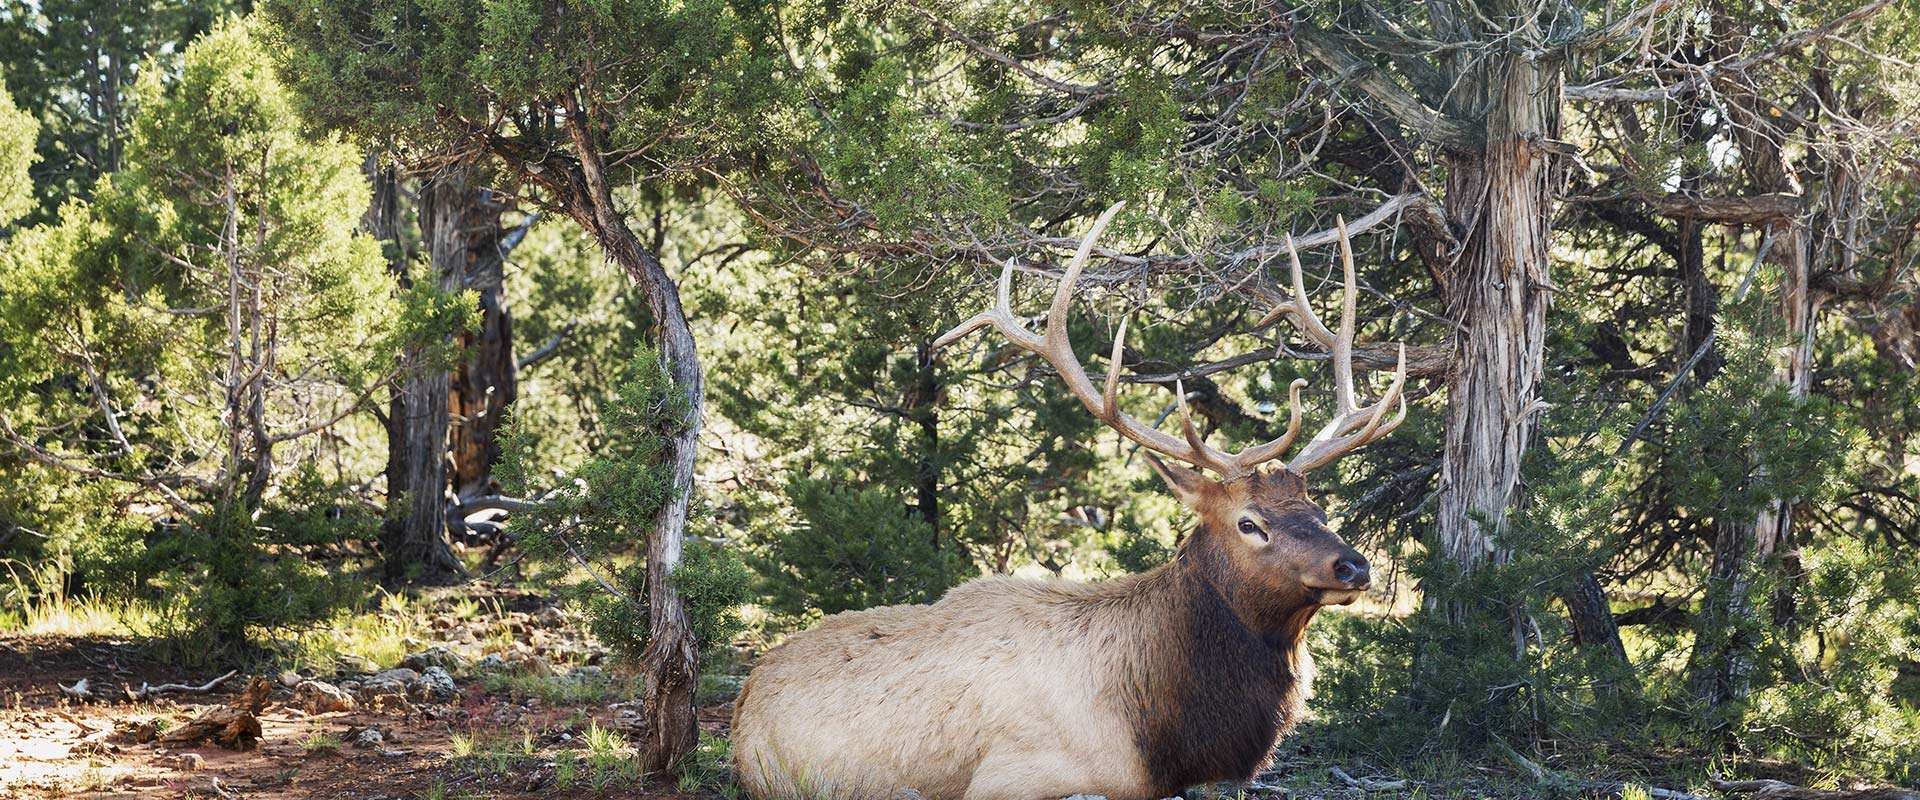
1247,527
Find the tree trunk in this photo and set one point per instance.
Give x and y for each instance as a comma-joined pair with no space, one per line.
922,406
485,382
413,538
1594,629
1498,292
671,663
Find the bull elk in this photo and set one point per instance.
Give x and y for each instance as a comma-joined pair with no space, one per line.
1135,687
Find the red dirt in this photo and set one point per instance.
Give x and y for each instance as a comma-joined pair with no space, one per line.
53,746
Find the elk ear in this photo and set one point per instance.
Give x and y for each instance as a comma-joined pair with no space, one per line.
1185,483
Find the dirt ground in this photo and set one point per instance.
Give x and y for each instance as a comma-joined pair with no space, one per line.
54,746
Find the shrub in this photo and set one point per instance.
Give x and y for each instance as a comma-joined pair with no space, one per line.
850,548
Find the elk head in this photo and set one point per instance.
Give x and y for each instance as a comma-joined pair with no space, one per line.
1273,537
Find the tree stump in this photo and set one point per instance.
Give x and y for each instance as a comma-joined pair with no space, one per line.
235,726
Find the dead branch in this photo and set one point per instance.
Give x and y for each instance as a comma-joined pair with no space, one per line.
1781,790
145,691
1368,784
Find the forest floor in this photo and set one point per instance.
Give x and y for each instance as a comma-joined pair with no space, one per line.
530,712
496,696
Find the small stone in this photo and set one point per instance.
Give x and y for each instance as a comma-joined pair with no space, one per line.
587,674
398,674
435,656
139,730
316,697
435,684
354,663
532,665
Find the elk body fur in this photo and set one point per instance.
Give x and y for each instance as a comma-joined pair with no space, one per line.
1008,689
1016,688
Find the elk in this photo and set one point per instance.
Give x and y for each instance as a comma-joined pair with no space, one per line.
1135,687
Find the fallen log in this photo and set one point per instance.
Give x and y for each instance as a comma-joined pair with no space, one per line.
235,726
1781,790
1368,784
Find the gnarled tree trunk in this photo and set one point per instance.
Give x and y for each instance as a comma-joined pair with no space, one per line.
1498,292
413,537
486,381
671,664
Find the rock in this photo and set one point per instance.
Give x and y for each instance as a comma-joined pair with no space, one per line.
435,656
398,674
290,679
316,697
184,761
532,665
394,682
369,737
435,684
354,663
138,730
587,674
629,719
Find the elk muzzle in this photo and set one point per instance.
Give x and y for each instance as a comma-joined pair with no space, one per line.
1350,570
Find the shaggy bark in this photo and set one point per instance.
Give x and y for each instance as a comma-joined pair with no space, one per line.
1498,292
486,382
578,183
413,537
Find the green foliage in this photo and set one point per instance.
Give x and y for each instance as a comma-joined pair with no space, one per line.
1136,551
607,507
849,549
18,129
72,64
125,334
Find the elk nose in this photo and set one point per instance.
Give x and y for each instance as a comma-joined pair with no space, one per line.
1352,571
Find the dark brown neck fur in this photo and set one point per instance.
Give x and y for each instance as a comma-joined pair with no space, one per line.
1214,681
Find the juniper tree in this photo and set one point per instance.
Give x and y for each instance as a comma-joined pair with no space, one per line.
72,65
963,133
210,307
567,102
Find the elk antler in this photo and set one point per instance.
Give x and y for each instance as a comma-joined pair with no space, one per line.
1350,428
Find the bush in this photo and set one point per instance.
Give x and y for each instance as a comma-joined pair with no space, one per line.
849,549
596,521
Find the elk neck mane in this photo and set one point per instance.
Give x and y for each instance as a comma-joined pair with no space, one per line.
1211,667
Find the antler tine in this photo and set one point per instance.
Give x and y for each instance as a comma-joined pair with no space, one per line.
1110,394
1333,441
1056,332
1204,454
1301,310
1343,342
1000,316
1268,451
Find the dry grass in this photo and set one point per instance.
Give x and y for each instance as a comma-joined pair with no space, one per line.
37,604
